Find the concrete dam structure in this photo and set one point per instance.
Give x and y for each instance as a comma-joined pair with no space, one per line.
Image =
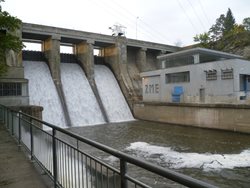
81,88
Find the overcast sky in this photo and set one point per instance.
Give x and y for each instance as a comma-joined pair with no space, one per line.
163,21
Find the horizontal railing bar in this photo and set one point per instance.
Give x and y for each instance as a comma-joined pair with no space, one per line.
90,156
133,180
169,174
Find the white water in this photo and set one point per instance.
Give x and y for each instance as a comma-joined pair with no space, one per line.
176,160
42,92
82,104
113,100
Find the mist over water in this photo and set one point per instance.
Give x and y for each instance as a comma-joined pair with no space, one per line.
42,92
111,95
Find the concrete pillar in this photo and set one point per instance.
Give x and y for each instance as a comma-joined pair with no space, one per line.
51,49
141,59
85,54
196,58
116,57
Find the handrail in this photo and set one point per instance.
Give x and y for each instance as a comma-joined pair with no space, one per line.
169,174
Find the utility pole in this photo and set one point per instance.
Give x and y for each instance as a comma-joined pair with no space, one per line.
136,27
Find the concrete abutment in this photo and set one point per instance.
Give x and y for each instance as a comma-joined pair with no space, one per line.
51,49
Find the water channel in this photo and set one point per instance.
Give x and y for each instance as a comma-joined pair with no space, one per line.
217,157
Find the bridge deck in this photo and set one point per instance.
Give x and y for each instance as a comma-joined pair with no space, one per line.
16,170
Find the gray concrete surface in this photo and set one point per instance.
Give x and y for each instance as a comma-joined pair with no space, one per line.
16,170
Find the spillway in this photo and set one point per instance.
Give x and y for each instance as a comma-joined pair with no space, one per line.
82,104
42,92
112,98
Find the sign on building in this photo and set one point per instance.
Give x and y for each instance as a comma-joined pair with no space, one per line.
151,88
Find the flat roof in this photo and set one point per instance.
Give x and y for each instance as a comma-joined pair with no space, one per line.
202,51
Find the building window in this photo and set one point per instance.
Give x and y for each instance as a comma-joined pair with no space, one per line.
227,74
10,89
211,75
178,77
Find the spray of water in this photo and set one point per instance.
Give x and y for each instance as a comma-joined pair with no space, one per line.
111,95
82,104
42,92
173,159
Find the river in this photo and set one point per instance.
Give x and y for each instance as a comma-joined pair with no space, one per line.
218,157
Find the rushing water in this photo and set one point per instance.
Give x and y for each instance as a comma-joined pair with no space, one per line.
42,92
112,98
217,157
82,104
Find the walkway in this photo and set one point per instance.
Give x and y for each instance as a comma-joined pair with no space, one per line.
16,170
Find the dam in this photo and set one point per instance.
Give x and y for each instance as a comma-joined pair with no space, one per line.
99,98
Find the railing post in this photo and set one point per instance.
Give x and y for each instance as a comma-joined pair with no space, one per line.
54,157
12,123
19,130
31,140
7,125
4,113
123,171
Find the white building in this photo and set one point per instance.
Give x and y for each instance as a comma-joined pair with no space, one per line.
198,76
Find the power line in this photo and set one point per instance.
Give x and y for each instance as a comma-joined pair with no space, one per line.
204,12
193,25
197,15
146,29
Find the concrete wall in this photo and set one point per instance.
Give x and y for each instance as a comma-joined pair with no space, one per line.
217,116
216,91
15,74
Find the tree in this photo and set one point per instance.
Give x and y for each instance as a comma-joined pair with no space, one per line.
246,23
217,30
223,26
229,22
0,5
8,25
203,39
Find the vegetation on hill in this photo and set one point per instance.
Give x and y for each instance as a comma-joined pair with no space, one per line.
8,24
226,35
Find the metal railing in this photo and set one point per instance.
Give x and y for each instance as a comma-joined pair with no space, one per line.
62,156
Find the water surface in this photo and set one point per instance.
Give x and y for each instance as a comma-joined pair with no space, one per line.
218,157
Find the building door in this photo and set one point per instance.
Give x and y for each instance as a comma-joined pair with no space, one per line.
202,95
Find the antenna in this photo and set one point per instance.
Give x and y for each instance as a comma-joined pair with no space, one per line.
118,30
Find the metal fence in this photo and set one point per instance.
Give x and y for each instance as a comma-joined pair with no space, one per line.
69,166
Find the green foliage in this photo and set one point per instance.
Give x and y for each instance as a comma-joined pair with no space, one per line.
229,22
246,23
203,39
216,31
225,34
8,25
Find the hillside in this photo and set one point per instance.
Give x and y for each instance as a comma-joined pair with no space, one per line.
237,44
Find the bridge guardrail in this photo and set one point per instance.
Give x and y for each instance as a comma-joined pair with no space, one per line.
69,166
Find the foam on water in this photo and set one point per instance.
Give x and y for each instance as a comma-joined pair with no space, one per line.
113,100
176,160
82,104
42,92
